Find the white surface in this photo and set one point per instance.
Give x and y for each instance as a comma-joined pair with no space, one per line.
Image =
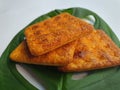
30,76
16,14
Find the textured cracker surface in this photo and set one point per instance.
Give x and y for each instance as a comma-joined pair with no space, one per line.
58,57
52,33
94,51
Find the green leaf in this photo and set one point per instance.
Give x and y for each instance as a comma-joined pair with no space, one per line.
52,79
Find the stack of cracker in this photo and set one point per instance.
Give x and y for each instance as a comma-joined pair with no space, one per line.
67,42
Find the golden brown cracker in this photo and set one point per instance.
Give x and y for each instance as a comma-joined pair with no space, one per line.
58,57
52,33
95,51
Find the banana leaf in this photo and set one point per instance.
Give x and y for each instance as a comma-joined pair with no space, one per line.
52,79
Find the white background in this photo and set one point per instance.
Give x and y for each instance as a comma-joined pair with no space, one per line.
16,14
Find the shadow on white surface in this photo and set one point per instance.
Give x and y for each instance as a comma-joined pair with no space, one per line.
30,76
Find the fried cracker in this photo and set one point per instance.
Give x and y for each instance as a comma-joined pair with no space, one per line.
94,51
58,57
52,33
